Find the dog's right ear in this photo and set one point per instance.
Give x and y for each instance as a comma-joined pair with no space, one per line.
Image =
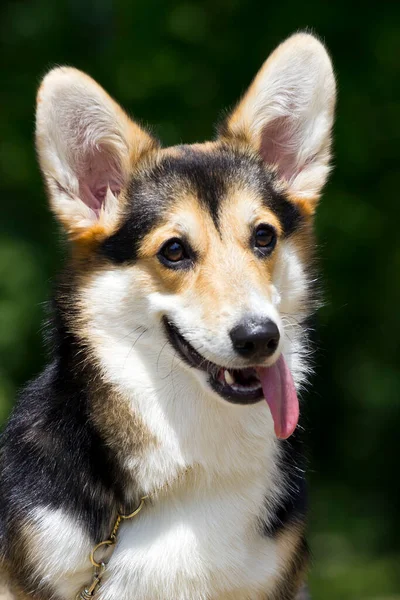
87,146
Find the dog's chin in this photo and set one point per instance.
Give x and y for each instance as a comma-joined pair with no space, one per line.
239,386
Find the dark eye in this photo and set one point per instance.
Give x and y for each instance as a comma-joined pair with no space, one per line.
265,239
174,254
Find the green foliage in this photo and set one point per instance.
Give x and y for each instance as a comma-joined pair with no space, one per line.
176,65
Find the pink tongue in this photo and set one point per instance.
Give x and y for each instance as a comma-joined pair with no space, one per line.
280,394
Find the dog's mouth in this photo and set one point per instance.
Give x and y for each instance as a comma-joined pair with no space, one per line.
248,385
241,386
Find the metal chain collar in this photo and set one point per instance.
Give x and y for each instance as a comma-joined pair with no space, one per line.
89,591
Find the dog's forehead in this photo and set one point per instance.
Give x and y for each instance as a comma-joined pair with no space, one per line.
214,174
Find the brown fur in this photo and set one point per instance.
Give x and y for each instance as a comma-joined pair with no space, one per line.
20,566
124,430
294,556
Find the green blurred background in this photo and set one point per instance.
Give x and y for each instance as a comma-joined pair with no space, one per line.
176,65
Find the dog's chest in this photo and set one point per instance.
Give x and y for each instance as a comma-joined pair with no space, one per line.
203,547
199,538
200,548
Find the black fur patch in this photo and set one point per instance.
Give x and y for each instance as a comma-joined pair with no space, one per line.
51,454
53,457
292,507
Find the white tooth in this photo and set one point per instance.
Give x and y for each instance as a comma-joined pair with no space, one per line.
230,380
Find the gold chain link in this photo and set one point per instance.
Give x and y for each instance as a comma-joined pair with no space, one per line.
89,591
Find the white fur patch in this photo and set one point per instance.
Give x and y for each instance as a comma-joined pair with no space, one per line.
292,285
60,549
194,545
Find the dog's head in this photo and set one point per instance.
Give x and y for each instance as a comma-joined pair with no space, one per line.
199,253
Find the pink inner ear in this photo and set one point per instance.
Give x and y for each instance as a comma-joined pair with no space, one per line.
101,171
278,146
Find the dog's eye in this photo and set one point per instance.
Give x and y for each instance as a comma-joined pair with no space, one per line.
265,239
174,253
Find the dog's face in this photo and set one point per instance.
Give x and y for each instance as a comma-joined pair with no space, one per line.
202,248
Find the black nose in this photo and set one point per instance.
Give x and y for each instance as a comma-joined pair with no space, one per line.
253,338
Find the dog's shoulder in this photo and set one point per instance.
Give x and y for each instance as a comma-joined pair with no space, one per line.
52,456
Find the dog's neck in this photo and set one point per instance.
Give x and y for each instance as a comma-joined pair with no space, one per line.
169,433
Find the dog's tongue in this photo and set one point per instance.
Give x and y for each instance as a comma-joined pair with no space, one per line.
280,394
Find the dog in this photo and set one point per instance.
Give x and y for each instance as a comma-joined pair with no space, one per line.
158,455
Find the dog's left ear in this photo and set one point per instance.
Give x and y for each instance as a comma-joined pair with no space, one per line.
287,116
